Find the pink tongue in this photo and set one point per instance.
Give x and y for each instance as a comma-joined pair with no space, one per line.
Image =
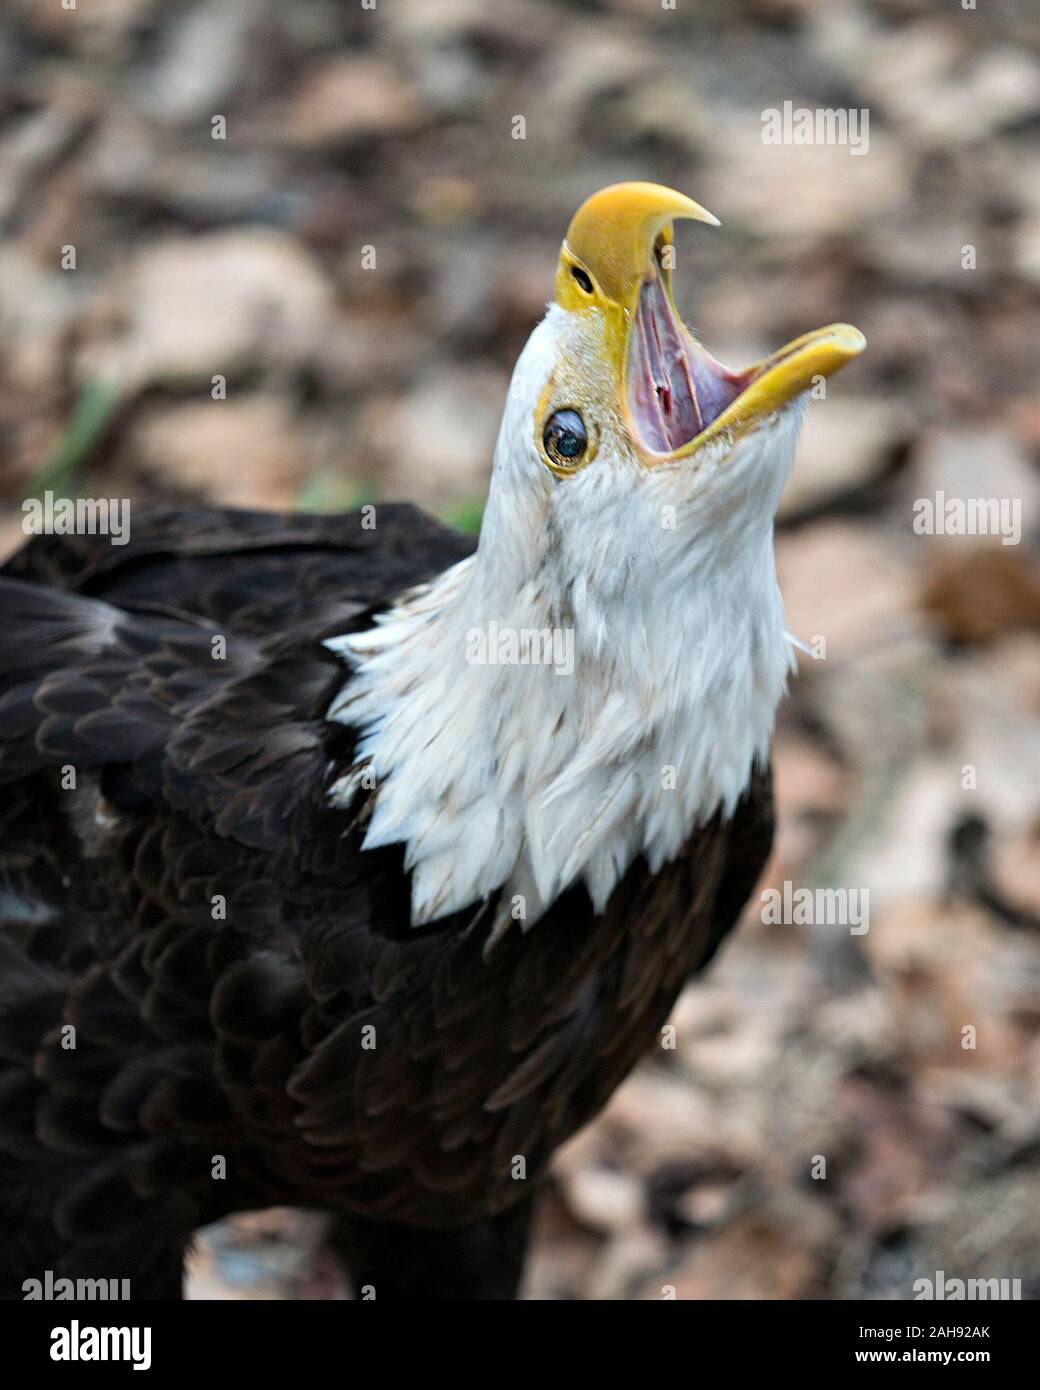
675,387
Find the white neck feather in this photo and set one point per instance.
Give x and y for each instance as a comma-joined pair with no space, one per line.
520,777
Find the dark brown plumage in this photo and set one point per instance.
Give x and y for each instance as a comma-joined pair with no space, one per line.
202,780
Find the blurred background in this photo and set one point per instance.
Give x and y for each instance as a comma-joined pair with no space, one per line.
362,255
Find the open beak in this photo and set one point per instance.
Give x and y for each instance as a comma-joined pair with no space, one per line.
616,261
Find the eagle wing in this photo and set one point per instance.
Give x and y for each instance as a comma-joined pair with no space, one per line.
241,978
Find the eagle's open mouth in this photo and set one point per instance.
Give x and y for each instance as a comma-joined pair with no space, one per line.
675,388
675,397
678,396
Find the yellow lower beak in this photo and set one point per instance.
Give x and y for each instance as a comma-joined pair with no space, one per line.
779,378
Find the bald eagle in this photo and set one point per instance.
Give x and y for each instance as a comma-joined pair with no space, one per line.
348,865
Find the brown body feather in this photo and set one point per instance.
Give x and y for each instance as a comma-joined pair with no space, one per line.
239,1032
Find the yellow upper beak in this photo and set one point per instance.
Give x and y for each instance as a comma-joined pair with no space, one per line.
613,236
614,246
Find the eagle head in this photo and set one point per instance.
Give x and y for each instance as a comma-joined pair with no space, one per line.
627,449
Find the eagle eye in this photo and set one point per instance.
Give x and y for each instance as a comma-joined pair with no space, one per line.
565,438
